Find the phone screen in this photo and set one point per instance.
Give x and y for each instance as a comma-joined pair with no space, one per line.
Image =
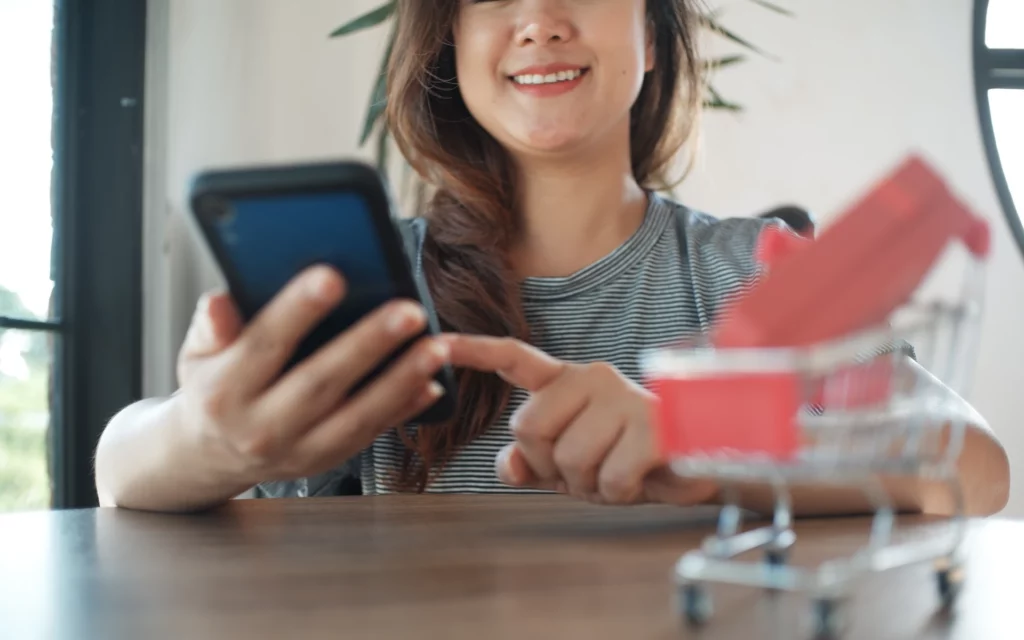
269,239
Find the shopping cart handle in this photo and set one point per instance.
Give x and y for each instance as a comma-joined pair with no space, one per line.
859,271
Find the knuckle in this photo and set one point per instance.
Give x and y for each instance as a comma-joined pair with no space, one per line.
522,424
258,449
570,462
616,487
264,345
347,423
313,387
216,404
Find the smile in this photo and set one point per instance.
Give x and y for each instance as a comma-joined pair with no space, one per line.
551,78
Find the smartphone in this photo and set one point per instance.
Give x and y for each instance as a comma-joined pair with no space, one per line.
264,225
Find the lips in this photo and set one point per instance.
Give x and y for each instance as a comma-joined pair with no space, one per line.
548,74
550,78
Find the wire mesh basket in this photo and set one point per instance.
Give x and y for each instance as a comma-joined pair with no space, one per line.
883,402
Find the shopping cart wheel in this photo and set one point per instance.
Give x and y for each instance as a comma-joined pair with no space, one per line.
827,618
949,579
695,604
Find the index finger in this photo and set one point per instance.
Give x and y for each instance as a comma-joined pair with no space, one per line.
271,338
517,362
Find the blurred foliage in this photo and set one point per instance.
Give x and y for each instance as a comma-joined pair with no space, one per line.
24,475
24,414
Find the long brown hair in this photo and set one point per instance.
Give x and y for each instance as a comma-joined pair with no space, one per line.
471,218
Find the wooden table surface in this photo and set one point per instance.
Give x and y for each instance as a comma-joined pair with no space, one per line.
445,567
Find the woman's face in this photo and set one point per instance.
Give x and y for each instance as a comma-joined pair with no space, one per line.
550,76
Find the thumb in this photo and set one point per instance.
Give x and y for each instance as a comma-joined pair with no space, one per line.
512,468
514,471
215,325
224,320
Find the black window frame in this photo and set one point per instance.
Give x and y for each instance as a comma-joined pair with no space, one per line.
99,52
996,69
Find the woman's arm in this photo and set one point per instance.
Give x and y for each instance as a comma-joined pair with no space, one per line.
586,430
145,461
983,471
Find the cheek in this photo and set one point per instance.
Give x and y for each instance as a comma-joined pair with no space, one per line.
628,74
624,47
475,62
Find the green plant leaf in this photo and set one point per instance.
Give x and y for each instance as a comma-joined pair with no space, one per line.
367,20
774,7
725,61
720,105
716,101
379,96
717,27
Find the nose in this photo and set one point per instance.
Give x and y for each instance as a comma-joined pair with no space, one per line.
543,22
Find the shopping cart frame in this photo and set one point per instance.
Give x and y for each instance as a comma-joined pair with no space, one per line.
925,412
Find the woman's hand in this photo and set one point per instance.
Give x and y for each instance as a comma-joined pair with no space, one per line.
257,424
585,430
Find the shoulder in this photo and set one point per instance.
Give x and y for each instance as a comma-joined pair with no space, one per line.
721,256
719,243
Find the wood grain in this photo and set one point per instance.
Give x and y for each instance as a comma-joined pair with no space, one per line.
444,567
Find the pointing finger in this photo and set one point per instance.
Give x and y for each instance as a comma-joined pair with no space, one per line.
518,363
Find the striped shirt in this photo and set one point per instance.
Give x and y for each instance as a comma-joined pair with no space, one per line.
666,282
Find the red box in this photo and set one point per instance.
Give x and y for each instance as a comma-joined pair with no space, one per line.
727,414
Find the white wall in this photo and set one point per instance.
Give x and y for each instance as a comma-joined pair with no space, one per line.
859,85
236,82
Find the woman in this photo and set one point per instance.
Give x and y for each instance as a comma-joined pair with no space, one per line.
545,126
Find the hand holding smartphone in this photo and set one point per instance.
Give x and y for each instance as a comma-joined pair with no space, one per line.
266,225
304,381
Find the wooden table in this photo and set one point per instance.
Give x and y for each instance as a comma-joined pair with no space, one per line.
516,567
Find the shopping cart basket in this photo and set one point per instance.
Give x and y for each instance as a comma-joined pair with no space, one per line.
880,402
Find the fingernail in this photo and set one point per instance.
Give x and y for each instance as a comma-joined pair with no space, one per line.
436,355
405,318
434,391
322,284
504,465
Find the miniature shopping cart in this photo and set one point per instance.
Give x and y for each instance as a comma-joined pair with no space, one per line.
850,410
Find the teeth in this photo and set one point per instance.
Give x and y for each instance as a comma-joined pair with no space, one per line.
551,78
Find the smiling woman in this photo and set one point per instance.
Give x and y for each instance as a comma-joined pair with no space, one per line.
376,124
605,51
545,236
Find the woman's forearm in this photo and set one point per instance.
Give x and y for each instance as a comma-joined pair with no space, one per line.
982,467
145,461
983,474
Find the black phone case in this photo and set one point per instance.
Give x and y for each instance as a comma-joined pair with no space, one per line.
211,189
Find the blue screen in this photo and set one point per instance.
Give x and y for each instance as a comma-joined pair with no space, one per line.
271,238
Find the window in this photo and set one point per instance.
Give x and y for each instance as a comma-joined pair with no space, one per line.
70,239
26,286
999,83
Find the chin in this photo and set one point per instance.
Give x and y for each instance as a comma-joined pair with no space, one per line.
550,141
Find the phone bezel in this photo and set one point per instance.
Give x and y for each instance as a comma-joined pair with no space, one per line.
332,177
